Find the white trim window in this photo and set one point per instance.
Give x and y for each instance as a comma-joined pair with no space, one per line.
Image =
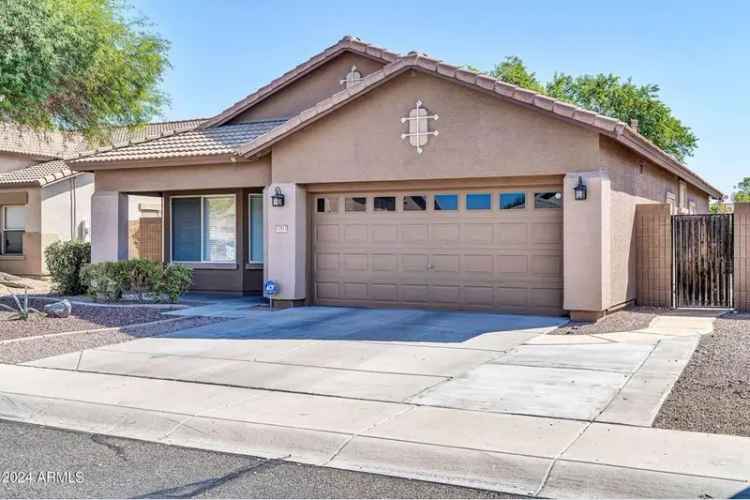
255,228
683,198
204,229
13,228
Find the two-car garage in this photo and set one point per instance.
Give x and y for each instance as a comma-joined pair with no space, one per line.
491,249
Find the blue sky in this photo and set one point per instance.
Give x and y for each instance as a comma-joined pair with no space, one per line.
697,51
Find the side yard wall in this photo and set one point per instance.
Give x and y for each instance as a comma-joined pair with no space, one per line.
634,181
742,256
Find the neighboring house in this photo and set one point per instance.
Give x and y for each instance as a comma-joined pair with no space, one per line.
42,200
406,182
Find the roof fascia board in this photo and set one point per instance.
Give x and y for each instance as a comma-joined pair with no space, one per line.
346,44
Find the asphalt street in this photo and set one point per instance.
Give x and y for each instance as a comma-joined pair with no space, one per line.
43,462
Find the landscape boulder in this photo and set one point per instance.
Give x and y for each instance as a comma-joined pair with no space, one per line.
60,309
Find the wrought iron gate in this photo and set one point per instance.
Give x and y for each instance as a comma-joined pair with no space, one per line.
703,270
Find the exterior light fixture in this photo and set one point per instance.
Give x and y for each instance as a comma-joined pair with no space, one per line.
580,189
277,199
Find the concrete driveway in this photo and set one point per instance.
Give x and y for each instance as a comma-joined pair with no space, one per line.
472,399
384,355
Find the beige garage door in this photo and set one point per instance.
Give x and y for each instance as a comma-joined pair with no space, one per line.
478,249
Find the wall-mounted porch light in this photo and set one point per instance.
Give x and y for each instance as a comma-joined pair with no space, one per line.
580,189
277,199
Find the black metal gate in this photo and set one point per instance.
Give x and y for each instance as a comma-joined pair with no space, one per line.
703,270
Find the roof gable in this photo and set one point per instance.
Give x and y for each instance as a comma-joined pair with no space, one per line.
346,44
419,62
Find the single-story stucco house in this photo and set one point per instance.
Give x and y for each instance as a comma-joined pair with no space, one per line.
43,199
365,178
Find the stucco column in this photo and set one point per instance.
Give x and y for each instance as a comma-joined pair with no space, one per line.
286,230
742,256
586,247
109,226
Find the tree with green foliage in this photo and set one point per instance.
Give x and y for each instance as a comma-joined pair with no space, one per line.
742,193
612,96
512,70
78,65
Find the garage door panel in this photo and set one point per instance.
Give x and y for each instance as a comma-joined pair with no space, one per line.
418,263
355,291
477,233
478,264
506,260
415,233
512,264
355,233
355,262
511,234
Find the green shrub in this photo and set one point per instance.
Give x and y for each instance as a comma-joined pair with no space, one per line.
105,281
175,280
64,261
109,281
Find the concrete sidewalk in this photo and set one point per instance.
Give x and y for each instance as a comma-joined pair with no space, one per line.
512,453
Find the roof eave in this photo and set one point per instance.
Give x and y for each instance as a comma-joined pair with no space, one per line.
90,164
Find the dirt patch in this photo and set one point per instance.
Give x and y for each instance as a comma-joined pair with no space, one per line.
624,320
83,317
31,349
713,392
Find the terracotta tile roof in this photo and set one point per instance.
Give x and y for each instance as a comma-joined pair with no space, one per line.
604,124
197,142
22,140
348,42
39,174
50,144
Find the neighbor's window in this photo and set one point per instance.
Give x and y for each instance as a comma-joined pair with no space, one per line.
13,227
204,229
446,202
478,201
414,203
671,201
552,199
255,228
692,207
512,200
355,204
683,197
384,203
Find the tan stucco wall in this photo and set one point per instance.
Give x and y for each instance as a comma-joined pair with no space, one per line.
480,136
66,210
157,179
30,263
12,161
633,185
322,82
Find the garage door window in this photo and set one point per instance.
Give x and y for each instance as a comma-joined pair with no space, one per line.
510,201
478,201
327,205
552,199
384,203
415,203
446,202
356,204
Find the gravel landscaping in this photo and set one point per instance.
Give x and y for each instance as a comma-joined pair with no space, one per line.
713,392
29,349
624,320
83,317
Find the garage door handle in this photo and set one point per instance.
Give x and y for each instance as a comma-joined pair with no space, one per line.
430,267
